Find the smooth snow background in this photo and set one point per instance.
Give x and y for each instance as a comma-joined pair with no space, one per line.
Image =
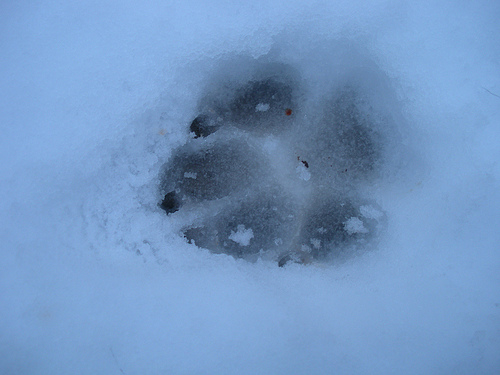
94,279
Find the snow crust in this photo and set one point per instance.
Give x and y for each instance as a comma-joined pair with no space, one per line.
95,278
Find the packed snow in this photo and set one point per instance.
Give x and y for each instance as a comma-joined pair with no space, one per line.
157,218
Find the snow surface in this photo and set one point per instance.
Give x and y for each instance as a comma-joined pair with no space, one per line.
96,279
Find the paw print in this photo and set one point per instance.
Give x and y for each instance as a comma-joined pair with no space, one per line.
260,179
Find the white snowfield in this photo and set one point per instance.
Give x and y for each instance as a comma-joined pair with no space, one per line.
96,279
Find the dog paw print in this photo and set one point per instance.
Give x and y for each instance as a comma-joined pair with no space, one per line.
259,179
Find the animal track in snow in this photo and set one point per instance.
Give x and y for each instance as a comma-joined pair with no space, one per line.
266,181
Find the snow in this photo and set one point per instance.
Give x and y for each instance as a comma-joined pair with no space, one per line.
95,278
262,107
242,236
303,172
370,212
355,225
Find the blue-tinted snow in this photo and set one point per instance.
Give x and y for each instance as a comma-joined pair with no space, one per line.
97,95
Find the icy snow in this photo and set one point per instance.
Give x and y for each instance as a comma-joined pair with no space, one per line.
355,225
95,278
303,173
262,107
316,243
242,236
370,212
